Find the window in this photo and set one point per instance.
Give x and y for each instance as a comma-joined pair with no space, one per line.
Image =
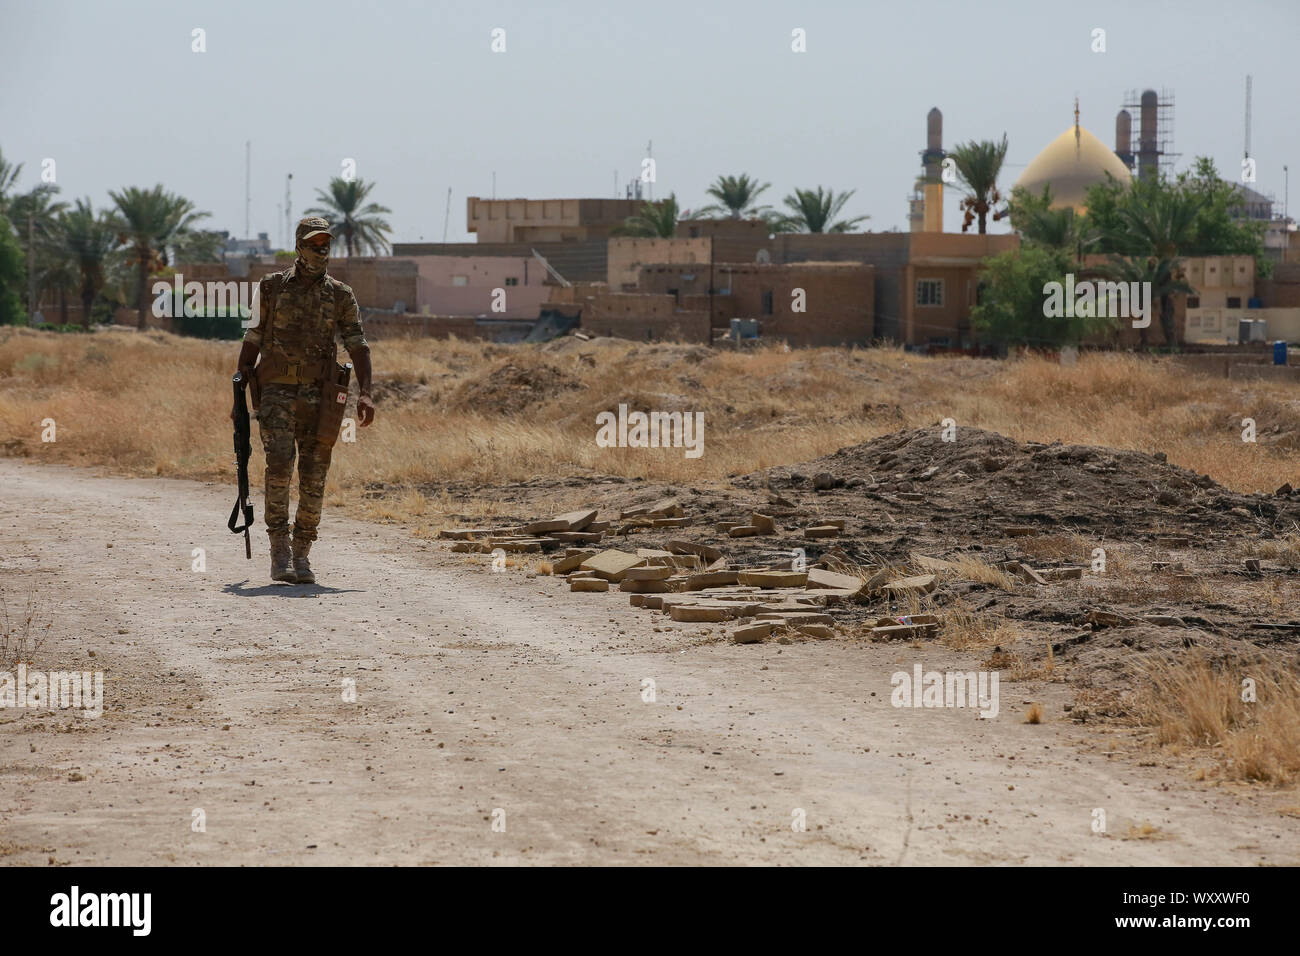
767,302
512,280
1193,301
929,292
1234,302
460,280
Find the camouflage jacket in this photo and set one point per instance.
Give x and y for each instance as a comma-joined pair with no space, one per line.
301,319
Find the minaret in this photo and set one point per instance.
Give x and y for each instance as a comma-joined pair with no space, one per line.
932,162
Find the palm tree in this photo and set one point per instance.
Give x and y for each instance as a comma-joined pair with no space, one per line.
736,197
978,167
1166,279
1039,224
36,213
8,178
815,211
149,220
88,239
1161,222
656,219
360,226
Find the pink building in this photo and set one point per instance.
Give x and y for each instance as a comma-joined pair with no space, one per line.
472,285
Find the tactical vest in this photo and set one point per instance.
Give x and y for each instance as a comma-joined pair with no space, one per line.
301,318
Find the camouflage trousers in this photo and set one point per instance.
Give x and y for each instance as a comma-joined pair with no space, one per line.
287,421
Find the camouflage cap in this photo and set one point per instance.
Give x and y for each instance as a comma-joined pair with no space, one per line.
312,226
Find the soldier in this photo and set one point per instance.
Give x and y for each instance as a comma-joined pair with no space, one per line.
301,311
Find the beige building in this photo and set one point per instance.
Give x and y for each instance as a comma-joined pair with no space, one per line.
547,220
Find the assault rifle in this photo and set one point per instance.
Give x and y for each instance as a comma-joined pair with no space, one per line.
243,449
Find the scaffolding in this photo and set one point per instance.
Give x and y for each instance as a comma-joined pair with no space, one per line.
1152,141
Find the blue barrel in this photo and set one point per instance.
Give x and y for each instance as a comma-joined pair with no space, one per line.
1279,352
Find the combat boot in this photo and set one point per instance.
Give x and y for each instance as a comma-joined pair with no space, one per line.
280,570
301,566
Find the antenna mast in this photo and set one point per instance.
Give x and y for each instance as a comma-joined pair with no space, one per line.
248,194
1247,154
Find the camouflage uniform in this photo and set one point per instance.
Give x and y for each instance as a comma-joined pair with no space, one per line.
301,316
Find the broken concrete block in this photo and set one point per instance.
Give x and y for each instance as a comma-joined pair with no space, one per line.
909,496
653,553
463,534
1061,574
707,552
569,562
611,565
471,547
1019,531
796,617
658,572
821,531
576,520
588,584
697,614
764,523
751,633
743,531
644,587
773,579
1251,565
654,602
577,537
710,579
670,522
819,578
517,545
921,583
546,527
1031,576
636,599
819,631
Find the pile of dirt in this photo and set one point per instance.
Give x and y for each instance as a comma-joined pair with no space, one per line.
981,478
508,388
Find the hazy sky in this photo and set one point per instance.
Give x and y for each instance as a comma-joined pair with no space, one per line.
414,94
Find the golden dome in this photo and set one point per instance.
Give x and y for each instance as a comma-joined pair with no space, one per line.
1071,165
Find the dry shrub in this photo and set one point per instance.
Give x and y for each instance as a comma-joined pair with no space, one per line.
1199,704
970,568
963,629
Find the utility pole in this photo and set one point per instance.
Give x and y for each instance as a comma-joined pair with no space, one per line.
446,219
248,187
31,271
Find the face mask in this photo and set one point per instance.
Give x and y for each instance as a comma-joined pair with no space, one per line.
313,261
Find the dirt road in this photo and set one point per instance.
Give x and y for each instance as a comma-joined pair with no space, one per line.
479,692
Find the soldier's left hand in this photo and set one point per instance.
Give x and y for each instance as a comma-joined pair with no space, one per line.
365,410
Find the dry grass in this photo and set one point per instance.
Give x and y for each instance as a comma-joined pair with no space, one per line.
1196,704
963,629
156,404
1034,714
969,568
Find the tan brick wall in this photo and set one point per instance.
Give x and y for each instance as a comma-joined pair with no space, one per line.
644,318
626,255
